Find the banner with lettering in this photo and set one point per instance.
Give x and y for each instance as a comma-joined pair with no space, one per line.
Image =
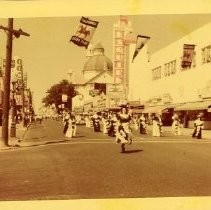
84,32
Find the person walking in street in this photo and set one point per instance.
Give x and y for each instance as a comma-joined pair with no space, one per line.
124,134
70,126
156,125
113,125
105,123
121,136
65,120
96,122
198,126
142,124
176,125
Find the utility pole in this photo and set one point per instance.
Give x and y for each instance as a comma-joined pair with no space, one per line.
7,77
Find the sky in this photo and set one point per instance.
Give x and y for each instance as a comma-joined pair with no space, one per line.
48,55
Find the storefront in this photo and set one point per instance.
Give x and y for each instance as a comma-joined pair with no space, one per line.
188,113
166,112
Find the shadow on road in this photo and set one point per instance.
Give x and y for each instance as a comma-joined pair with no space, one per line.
133,151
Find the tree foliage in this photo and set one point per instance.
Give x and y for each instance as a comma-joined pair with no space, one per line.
54,94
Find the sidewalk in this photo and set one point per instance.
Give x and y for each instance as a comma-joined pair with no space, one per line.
14,141
206,134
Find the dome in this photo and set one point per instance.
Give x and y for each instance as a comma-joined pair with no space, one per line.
98,63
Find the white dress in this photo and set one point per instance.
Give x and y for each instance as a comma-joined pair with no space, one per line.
71,131
155,128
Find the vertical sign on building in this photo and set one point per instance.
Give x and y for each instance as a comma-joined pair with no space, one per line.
25,80
121,43
119,52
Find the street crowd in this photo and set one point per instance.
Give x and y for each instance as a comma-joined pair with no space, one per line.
119,125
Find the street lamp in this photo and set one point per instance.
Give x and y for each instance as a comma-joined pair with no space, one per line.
13,107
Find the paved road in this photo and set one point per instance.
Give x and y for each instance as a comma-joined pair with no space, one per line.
91,166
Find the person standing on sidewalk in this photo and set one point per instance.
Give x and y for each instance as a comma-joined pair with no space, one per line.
198,126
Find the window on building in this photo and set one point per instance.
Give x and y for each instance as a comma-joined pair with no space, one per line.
193,63
173,67
206,54
169,68
101,87
156,73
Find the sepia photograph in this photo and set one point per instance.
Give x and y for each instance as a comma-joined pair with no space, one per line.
105,105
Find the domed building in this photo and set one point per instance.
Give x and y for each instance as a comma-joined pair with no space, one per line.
92,83
96,62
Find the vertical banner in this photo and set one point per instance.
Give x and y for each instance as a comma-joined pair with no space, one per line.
188,51
84,32
140,42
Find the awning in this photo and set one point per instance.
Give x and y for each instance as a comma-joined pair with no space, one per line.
199,105
157,109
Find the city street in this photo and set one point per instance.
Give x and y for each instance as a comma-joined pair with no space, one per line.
90,166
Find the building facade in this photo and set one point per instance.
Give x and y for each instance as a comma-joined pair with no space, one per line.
163,82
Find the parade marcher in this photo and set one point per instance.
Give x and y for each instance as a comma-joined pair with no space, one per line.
105,123
121,136
156,126
74,127
135,120
65,120
124,134
96,122
142,124
198,126
112,125
87,121
176,125
70,126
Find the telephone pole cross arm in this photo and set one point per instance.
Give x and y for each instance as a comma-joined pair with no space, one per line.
7,78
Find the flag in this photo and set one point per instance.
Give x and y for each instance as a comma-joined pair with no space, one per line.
84,32
188,51
140,42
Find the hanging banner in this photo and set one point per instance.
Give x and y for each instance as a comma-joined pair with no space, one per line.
140,42
84,32
188,51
